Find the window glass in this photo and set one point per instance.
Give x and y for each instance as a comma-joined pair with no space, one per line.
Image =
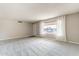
50,29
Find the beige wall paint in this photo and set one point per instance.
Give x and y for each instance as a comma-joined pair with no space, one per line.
12,29
36,28
72,27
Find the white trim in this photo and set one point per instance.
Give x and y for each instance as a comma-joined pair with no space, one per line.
72,42
14,38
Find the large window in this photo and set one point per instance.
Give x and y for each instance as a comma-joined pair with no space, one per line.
54,26
50,29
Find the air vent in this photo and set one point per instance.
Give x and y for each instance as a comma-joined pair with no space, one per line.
19,21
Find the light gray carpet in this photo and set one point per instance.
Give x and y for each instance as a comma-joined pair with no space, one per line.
37,47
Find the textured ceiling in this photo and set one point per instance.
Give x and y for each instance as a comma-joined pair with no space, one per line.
35,11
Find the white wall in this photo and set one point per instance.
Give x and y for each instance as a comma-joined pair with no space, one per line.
72,23
12,29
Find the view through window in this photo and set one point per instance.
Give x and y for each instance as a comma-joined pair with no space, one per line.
50,29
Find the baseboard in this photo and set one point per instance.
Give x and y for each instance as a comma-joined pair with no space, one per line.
73,42
16,38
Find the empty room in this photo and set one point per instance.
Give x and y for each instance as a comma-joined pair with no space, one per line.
39,29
